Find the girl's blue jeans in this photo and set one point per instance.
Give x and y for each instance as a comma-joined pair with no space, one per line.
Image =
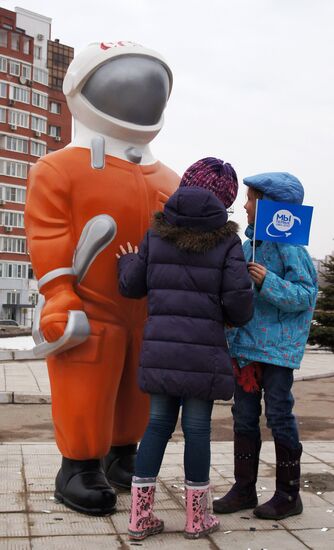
196,426
276,389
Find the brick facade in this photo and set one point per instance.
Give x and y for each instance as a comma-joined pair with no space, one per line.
34,120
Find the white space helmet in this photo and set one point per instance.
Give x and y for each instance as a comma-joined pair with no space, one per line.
119,89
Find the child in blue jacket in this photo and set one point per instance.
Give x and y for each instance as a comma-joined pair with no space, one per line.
266,351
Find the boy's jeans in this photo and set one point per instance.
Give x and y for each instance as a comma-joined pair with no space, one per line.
196,426
276,385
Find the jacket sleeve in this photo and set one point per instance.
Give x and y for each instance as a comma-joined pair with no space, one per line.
237,293
132,272
297,291
48,219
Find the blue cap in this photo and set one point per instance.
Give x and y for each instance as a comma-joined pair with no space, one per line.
277,186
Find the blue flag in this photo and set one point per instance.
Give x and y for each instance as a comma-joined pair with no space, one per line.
283,222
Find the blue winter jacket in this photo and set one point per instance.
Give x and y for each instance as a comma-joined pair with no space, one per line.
284,305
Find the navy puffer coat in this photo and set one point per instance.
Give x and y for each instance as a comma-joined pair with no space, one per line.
192,267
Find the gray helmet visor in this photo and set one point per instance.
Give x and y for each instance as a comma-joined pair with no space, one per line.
132,88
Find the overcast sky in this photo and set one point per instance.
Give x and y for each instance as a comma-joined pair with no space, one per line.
253,83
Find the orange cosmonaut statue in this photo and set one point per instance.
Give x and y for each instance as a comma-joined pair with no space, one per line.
117,93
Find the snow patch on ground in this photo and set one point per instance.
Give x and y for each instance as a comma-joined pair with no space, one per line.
17,342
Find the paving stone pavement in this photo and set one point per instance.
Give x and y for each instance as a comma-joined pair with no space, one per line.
26,381
30,518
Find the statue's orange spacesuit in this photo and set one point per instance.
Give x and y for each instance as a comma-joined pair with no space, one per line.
96,402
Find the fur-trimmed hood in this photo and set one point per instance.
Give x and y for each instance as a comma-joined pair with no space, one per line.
195,208
194,219
190,239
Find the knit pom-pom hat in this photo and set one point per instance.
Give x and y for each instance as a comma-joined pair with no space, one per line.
216,176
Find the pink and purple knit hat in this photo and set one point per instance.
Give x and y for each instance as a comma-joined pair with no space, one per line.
216,176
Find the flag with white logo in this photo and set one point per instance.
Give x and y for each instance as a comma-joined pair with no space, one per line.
282,222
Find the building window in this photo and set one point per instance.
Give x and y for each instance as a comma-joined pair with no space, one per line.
12,219
2,114
14,68
13,270
54,131
40,100
15,41
38,124
16,144
3,38
18,118
60,59
13,298
3,64
57,83
33,298
17,93
41,76
10,193
55,107
13,244
37,149
3,89
26,45
38,52
26,71
13,168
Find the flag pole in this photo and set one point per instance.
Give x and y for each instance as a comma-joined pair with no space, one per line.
254,236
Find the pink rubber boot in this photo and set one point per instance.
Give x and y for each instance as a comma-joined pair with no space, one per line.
199,522
142,520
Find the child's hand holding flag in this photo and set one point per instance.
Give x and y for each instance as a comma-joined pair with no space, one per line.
257,272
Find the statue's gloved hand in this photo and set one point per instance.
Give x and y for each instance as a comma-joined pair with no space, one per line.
60,297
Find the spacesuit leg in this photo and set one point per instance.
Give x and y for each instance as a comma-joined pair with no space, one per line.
130,420
84,385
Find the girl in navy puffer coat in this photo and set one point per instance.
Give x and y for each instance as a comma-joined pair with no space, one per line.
192,268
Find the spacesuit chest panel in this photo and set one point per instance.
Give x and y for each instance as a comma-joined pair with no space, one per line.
129,193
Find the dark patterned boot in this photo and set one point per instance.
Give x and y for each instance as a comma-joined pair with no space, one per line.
286,500
246,464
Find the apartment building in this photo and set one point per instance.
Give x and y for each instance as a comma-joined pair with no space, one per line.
34,120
